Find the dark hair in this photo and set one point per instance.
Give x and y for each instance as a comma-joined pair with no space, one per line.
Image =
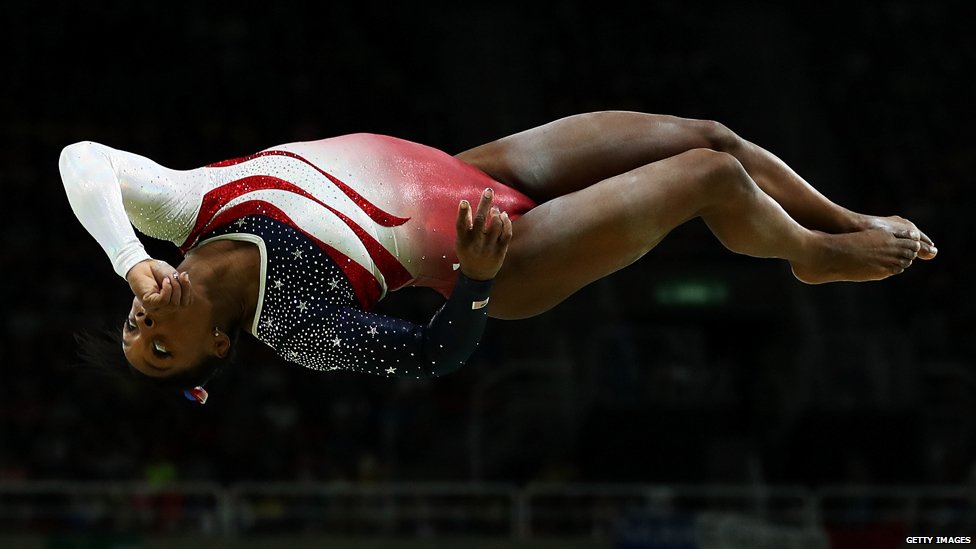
101,352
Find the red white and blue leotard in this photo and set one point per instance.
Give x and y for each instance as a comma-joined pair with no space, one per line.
339,222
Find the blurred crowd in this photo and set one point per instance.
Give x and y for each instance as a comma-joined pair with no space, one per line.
765,381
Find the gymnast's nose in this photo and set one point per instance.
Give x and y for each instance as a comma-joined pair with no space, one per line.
139,312
144,319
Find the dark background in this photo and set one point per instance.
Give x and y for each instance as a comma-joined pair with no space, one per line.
770,381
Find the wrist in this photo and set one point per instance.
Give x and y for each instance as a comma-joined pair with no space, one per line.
136,267
128,257
478,276
473,291
474,285
139,268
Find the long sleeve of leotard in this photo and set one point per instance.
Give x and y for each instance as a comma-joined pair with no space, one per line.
349,338
111,190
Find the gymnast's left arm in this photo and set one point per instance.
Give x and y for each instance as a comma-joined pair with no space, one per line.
350,339
482,242
451,336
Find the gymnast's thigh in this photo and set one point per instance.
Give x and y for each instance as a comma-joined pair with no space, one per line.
568,242
572,153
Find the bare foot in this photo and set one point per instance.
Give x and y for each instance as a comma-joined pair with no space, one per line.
864,255
900,225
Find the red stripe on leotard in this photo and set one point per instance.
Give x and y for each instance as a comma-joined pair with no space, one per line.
367,289
375,213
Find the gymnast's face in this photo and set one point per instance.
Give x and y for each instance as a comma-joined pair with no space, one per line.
170,343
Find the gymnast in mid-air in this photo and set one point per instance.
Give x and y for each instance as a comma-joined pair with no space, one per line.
295,244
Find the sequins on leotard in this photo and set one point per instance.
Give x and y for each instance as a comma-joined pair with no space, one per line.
310,315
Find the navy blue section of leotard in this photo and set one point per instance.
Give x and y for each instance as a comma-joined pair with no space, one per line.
310,315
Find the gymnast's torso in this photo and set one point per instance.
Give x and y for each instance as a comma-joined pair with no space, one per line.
382,208
339,223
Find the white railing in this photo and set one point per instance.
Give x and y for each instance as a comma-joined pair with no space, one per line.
498,511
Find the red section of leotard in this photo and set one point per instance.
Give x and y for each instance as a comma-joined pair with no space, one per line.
408,192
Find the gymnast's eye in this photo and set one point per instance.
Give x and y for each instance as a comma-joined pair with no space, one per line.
129,325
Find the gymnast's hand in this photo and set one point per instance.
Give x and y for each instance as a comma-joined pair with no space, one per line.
159,286
482,241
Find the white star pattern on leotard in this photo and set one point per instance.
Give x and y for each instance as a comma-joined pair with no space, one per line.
311,316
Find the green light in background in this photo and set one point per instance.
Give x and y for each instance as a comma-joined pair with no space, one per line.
692,293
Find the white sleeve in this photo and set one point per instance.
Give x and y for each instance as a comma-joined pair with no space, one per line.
111,190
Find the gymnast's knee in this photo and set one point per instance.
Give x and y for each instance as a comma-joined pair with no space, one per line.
719,173
718,136
713,163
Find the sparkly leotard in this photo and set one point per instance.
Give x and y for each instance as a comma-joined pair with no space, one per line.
339,223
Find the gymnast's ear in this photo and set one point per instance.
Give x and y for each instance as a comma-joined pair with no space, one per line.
221,344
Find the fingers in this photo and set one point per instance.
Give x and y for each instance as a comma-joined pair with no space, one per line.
187,296
487,220
506,235
182,293
177,290
484,206
500,230
495,227
463,223
162,298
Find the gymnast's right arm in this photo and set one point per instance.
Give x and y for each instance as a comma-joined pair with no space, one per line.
109,190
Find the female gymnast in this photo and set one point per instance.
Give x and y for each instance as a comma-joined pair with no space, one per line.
296,243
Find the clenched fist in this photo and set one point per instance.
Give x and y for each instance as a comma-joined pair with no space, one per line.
159,286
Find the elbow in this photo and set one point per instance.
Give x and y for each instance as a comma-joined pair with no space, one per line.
75,155
81,162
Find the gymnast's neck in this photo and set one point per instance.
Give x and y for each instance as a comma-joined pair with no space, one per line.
227,274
